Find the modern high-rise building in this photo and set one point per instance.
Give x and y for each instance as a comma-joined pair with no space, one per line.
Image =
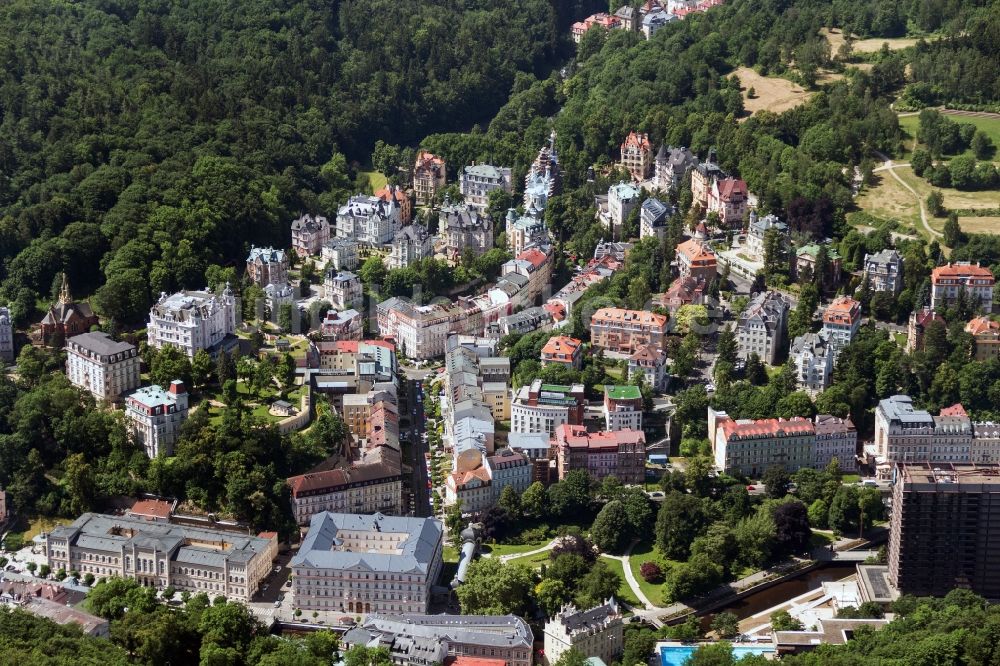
944,531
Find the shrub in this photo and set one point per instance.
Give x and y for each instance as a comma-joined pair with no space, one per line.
61,574
651,572
44,570
88,579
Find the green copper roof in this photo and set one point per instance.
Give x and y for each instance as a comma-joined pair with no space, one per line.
813,249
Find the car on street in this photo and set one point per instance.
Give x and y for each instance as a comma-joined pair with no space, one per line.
277,569
277,603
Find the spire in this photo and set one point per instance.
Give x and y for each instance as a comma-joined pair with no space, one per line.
64,293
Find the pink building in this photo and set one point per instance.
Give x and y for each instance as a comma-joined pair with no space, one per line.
621,454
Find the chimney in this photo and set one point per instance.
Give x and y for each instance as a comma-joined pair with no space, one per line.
177,387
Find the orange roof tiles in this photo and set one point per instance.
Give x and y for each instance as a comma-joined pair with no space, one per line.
533,256
157,508
620,315
576,436
844,309
561,344
961,270
767,428
981,325
955,410
650,353
732,188
636,140
696,251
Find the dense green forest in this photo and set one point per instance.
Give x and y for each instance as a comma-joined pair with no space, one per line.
142,141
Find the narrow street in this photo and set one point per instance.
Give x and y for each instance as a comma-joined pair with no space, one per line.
415,406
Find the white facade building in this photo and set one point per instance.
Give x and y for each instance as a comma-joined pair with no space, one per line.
192,320
813,358
368,219
597,632
155,416
105,367
411,244
343,289
6,336
762,327
477,181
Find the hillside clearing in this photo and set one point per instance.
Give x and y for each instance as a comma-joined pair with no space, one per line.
836,37
772,93
980,225
911,122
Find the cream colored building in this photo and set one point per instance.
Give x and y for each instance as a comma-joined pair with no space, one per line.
597,632
159,555
105,367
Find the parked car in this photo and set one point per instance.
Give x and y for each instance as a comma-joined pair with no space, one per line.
277,603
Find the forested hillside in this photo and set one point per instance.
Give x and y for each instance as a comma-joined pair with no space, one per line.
143,140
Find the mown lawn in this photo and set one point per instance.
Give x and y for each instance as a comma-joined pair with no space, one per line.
910,124
643,552
501,549
624,590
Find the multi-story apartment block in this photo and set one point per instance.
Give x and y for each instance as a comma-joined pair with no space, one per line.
750,447
368,219
835,438
841,321
762,327
544,407
618,330
622,200
948,282
986,334
524,231
410,245
942,532
671,166
429,177
463,229
730,199
361,488
352,563
703,177
343,289
622,407
655,21
757,230
342,325
653,218
161,554
458,640
904,433
192,320
105,367
309,235
534,263
597,632
6,335
637,156
154,417
478,480
696,259
884,271
477,181
395,193
620,453
525,321
341,254
563,350
650,362
66,317
599,20
544,178
813,358
265,266
420,331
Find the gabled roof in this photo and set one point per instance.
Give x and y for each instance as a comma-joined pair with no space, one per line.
732,188
637,141
695,251
982,325
648,353
961,269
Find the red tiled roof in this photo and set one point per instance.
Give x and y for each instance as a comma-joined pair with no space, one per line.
346,346
391,192
620,315
461,479
557,310
960,270
533,256
473,661
636,140
576,436
561,344
730,188
768,428
649,353
158,508
955,410
695,251
844,309
268,535
981,325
